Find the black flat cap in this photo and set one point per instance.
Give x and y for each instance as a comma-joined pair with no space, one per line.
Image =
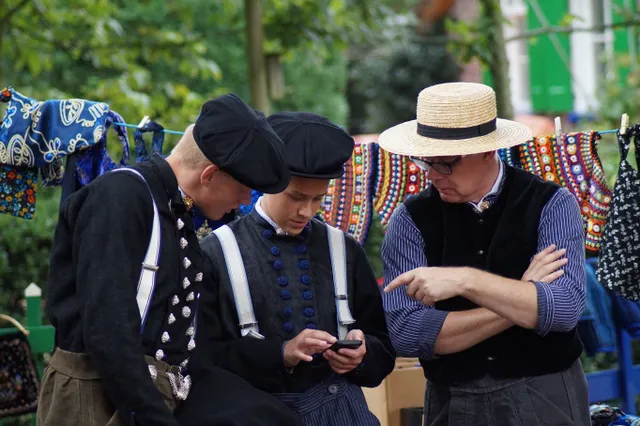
314,146
241,142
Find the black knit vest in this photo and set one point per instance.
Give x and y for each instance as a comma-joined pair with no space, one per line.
501,240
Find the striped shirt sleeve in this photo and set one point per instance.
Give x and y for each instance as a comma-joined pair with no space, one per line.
561,302
413,327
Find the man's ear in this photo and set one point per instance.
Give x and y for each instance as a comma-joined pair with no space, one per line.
208,174
490,154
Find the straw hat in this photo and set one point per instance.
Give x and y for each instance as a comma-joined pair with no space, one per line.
454,119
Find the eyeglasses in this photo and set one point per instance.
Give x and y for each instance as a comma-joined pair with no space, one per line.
442,167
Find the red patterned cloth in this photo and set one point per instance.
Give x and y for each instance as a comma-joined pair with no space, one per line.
574,164
348,204
397,178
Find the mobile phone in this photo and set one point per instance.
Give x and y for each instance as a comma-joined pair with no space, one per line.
345,344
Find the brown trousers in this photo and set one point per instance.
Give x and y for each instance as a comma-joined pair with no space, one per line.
72,394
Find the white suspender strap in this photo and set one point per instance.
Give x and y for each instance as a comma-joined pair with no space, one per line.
147,281
339,267
239,282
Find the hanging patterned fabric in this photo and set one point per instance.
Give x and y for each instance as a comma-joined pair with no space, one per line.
511,156
619,259
605,415
348,203
574,164
37,136
157,141
19,382
397,178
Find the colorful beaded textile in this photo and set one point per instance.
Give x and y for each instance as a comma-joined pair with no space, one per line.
397,178
18,186
574,164
510,156
348,204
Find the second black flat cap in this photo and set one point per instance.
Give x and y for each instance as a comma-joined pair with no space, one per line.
241,142
315,147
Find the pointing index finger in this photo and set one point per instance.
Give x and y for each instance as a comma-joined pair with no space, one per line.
402,279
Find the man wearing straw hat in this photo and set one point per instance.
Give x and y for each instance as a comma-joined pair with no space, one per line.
472,280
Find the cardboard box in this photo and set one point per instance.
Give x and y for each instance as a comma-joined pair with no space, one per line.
403,388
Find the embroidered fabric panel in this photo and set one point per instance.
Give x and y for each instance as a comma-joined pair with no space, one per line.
397,178
40,134
18,187
574,163
96,161
348,204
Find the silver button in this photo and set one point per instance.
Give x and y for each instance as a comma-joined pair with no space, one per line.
172,319
490,358
159,354
153,371
165,337
183,243
186,311
175,300
480,252
180,223
186,283
199,277
186,262
190,297
192,345
333,389
191,331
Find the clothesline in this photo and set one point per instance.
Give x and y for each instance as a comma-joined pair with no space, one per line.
134,126
174,132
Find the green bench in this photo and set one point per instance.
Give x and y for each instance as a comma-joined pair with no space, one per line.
41,337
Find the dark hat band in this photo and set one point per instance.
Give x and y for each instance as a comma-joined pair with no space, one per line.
449,133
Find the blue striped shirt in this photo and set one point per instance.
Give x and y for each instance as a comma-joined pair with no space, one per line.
414,327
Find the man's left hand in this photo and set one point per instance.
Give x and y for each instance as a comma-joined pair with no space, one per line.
431,284
346,360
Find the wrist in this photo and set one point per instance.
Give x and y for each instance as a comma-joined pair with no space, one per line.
288,361
467,281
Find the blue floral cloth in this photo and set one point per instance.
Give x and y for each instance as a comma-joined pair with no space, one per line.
35,136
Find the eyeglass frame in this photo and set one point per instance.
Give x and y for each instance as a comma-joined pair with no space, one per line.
426,165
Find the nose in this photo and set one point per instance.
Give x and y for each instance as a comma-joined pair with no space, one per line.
306,210
433,174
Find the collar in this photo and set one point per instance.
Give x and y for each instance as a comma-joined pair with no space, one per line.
485,202
170,183
258,209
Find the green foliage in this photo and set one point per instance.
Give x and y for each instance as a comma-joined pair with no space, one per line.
620,92
388,78
373,244
25,247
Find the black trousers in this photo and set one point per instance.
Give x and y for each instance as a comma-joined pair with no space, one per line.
559,399
220,398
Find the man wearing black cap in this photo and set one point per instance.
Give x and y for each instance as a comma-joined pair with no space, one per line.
126,272
296,287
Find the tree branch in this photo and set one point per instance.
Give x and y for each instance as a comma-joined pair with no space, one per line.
6,18
568,30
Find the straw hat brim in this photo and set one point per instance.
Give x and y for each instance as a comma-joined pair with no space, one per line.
403,139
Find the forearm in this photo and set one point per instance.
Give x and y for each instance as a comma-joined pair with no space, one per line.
464,329
516,301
